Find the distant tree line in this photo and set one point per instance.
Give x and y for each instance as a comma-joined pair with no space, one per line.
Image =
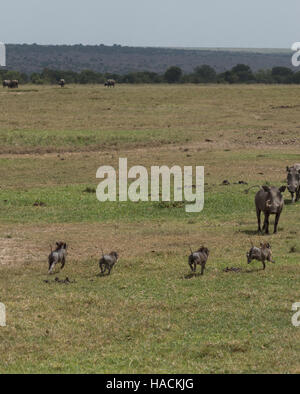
241,73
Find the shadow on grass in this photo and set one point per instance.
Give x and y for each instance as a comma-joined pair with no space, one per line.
250,232
261,234
249,271
192,275
242,271
100,275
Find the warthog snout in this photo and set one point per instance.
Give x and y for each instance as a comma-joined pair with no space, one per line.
272,205
268,203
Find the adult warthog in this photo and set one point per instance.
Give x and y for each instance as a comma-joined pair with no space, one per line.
269,200
293,181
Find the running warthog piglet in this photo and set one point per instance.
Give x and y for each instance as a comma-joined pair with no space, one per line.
107,262
260,254
57,256
293,181
199,257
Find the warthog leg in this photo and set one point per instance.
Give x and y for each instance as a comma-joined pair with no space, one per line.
276,222
298,194
293,197
202,268
266,223
258,213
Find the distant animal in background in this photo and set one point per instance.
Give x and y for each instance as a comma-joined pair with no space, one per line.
110,83
13,84
61,83
10,83
264,253
198,258
107,262
5,83
293,181
57,256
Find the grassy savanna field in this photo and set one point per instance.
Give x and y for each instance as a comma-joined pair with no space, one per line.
151,314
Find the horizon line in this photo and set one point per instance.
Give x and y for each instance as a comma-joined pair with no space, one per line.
159,46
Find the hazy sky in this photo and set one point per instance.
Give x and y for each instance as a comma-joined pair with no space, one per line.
188,23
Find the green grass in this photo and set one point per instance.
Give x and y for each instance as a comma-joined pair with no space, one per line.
67,204
28,141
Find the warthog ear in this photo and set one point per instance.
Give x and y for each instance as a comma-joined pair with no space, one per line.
266,188
282,189
287,169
